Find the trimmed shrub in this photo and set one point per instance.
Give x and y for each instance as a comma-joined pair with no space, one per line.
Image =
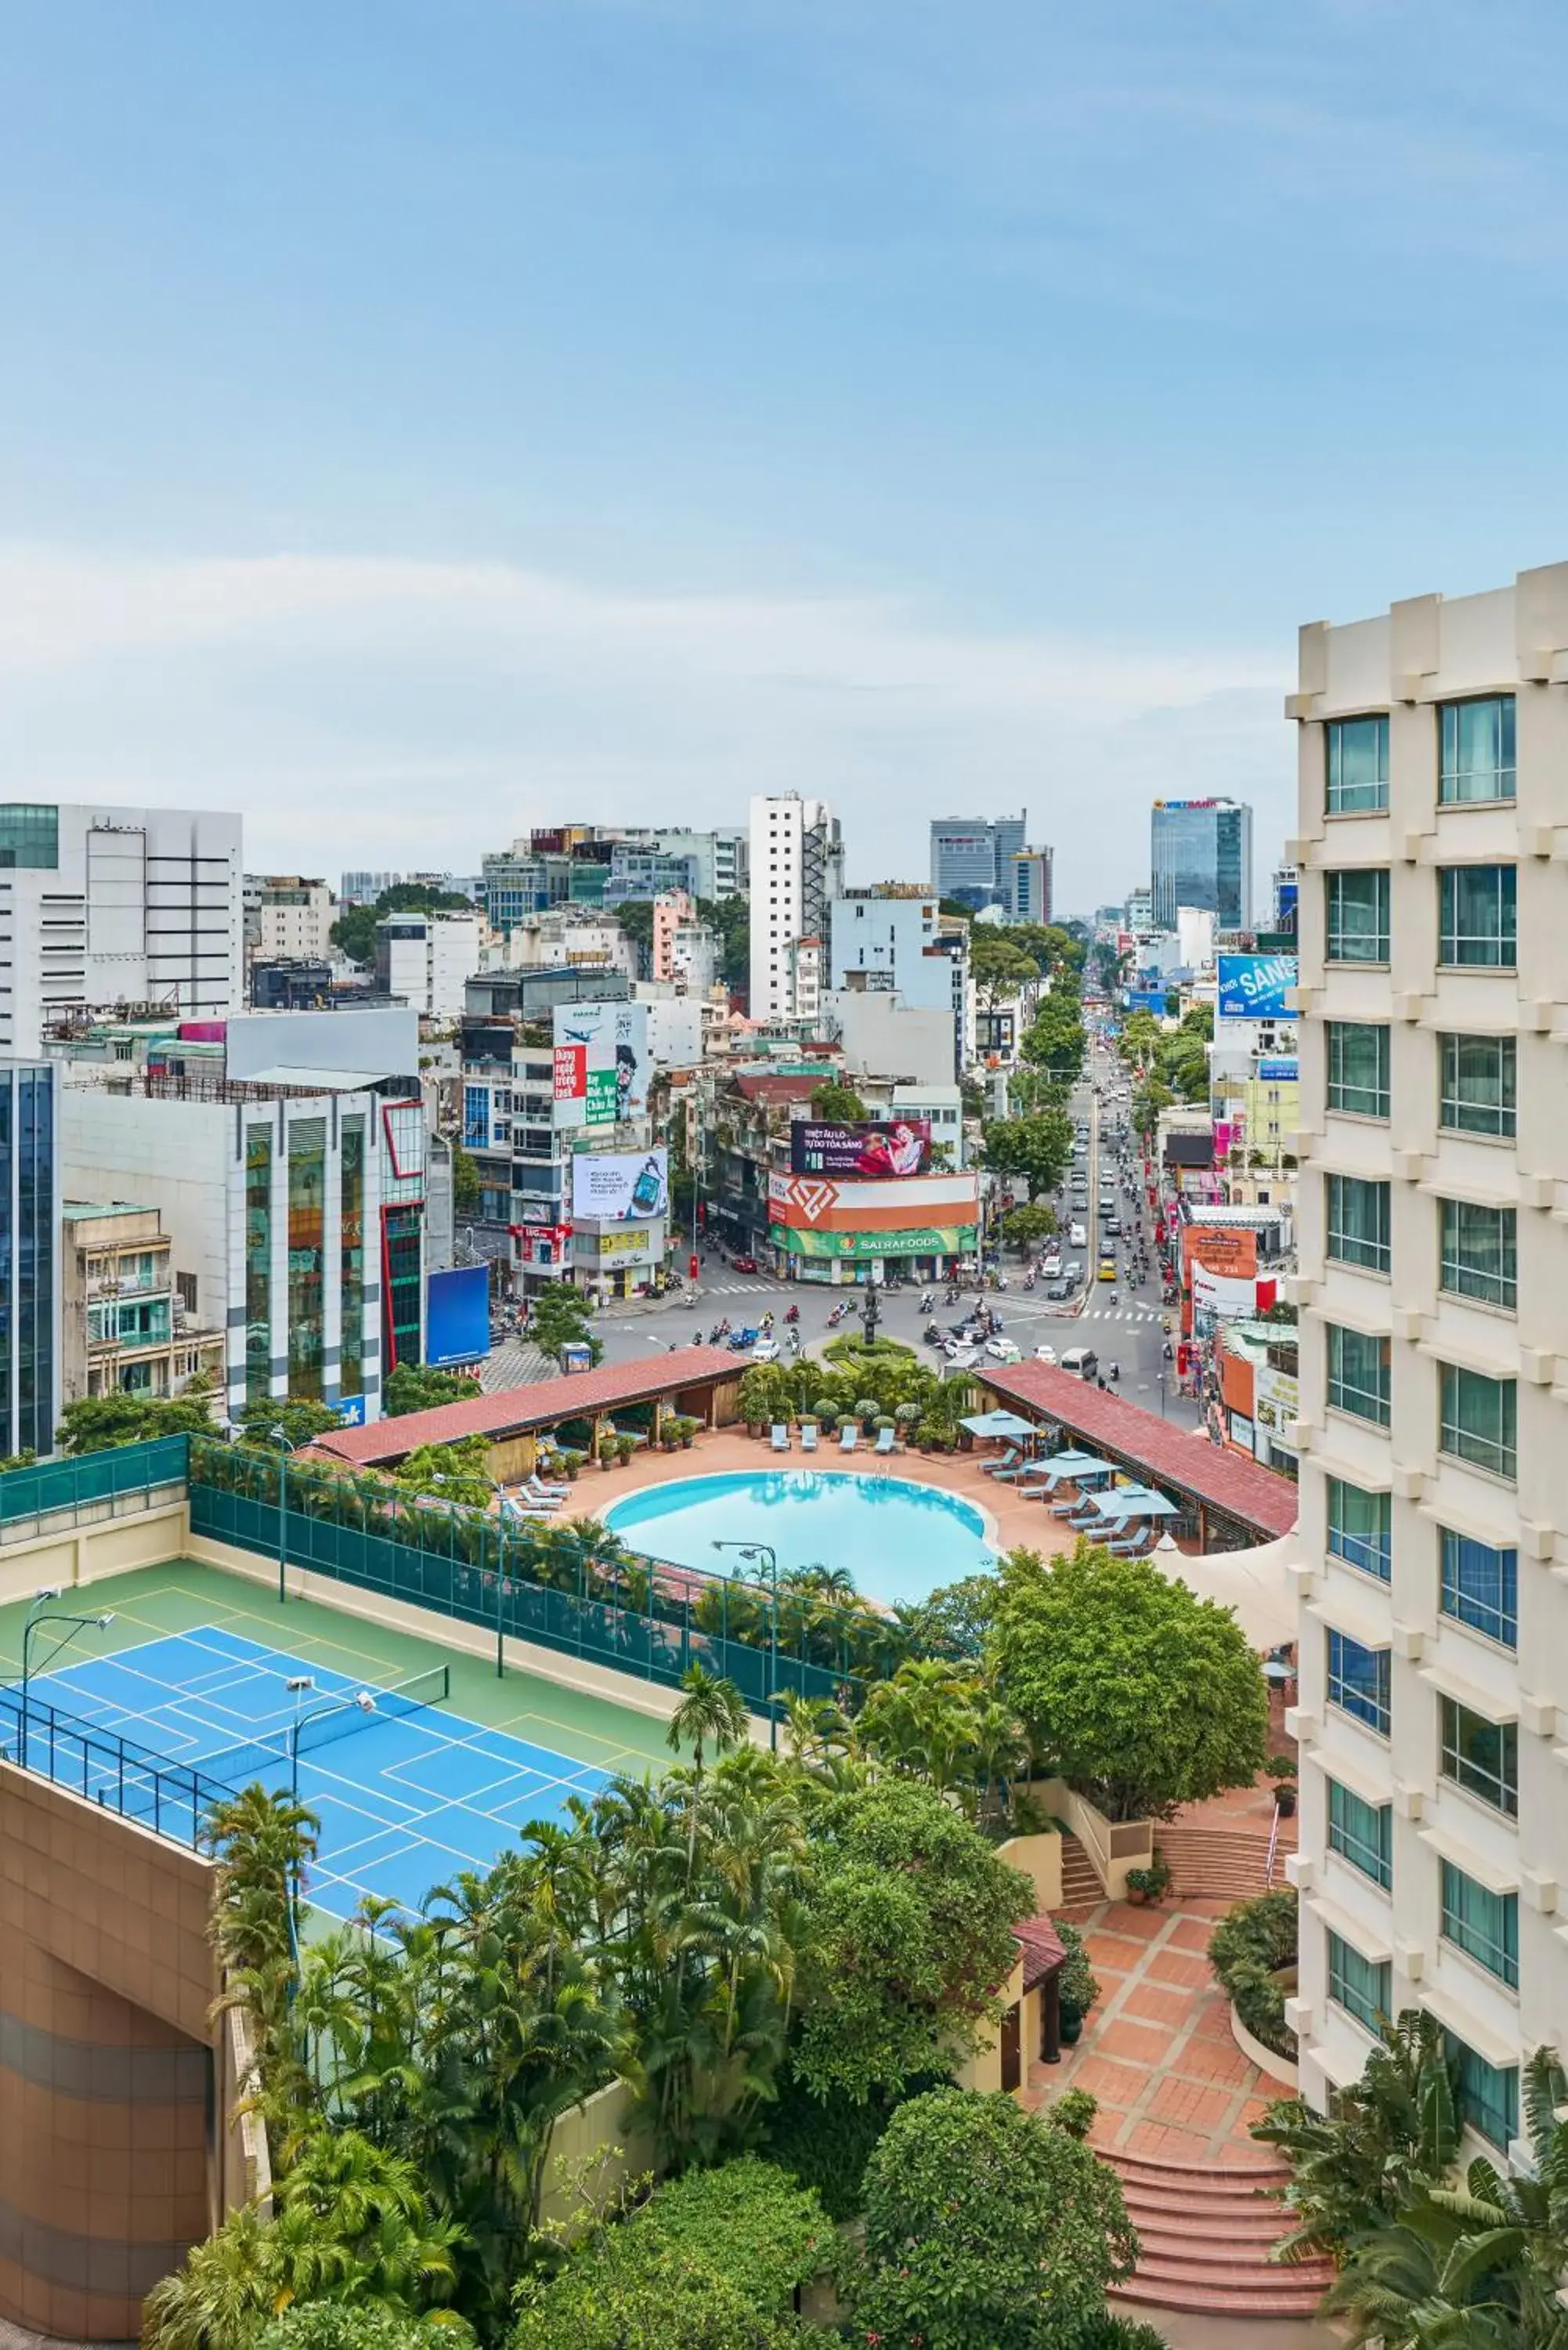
1246,1948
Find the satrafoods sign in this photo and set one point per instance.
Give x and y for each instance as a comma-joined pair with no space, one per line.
924,1239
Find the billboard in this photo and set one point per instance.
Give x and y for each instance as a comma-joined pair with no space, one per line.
601,1064
1282,1071
1146,999
457,1316
620,1187
817,1204
1253,986
901,1147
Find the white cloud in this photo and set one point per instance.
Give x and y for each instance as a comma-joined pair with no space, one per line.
373,711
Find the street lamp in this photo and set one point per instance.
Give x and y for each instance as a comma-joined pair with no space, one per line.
297,1686
39,1612
275,1436
766,1550
871,1314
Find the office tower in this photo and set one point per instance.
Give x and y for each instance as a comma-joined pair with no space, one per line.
31,1201
1140,910
1200,855
426,961
797,869
971,858
1433,1712
108,905
361,888
1028,885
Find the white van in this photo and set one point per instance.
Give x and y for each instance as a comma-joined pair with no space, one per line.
1082,1361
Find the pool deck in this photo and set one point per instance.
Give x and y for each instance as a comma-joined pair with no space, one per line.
1009,1520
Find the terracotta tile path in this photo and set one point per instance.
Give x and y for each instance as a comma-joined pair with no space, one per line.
1157,2050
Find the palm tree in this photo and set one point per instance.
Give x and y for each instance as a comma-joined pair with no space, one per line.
712,1708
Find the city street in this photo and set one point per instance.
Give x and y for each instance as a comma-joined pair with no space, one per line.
1127,1332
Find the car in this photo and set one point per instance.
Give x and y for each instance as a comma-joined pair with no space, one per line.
741,1341
1057,1290
1002,1350
1078,1235
1051,1268
743,1264
1108,1269
766,1348
1072,1271
1045,1354
964,1358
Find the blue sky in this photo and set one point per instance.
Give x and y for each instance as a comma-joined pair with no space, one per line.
423,418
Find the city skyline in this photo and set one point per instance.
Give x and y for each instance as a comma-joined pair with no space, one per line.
980,459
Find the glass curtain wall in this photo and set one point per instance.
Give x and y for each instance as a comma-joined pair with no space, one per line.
258,1264
351,1259
307,1263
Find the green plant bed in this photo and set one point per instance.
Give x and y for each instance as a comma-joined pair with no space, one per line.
1252,1951
849,1351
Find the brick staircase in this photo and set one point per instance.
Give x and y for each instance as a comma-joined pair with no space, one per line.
1225,1863
1207,2235
1080,1888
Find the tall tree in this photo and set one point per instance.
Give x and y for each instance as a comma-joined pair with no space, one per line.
1039,1148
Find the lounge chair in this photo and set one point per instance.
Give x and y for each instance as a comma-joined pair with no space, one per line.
849,1435
535,1489
808,1436
1129,1548
520,1509
887,1440
1006,1464
780,1436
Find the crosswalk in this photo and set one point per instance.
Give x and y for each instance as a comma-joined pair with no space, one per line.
1118,1314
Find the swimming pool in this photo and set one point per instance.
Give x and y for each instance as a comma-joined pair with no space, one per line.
900,1541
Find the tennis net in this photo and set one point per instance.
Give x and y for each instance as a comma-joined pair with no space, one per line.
238,1765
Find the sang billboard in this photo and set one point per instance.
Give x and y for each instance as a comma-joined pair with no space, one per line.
457,1316
620,1187
870,1149
601,1064
1255,986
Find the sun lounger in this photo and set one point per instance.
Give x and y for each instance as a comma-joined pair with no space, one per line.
849,1435
887,1438
808,1436
780,1436
535,1489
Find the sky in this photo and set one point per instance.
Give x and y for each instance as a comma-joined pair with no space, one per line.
424,419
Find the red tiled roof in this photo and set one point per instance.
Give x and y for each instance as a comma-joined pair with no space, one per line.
1166,1456
772,1090
1042,1949
538,1405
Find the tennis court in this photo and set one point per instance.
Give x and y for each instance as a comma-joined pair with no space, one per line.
409,1791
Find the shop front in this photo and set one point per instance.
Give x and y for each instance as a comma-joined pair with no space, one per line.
926,1254
619,1260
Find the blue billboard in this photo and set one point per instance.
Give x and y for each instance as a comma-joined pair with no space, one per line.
1146,999
1280,1072
1255,986
457,1316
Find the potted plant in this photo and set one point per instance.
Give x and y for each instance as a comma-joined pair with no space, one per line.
1149,1883
625,1447
1281,1771
1076,1987
667,1437
688,1428
572,1462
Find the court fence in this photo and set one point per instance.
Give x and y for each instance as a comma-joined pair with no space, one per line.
570,1588
54,1495
173,1799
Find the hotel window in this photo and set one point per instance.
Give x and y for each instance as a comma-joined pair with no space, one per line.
1479,1420
1477,761
1480,1587
1360,1986
1357,765
1357,915
1483,1924
1358,1068
1360,1528
1481,1756
1477,1257
1362,1833
1478,926
1357,1373
1478,1090
1358,1222
1489,2093
1358,1681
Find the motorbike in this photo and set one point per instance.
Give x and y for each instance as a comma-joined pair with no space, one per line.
714,1335
1114,1372
794,1342
792,1314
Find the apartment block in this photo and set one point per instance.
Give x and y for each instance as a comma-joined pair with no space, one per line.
797,870
1433,1439
126,1320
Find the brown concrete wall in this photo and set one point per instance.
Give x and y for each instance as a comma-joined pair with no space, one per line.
115,2088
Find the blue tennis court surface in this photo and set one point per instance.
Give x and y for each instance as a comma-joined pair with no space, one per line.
406,1803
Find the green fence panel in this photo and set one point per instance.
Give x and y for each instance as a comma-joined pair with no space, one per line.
97,1477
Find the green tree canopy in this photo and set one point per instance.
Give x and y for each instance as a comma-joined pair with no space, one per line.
449,1473
1025,1228
1143,1696
909,1919
986,2229
1055,1040
997,964
730,920
299,1417
354,932
103,1423
562,1315
1039,1148
414,1387
836,1104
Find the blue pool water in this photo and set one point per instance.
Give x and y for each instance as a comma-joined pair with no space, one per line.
900,1541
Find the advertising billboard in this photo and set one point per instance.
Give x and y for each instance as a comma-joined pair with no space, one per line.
457,1316
601,1064
1253,986
818,1203
901,1147
1282,1071
620,1187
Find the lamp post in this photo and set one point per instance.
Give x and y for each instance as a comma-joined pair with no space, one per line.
39,1612
766,1550
297,1686
500,1491
275,1436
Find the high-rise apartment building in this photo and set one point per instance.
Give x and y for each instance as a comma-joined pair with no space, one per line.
1028,885
971,858
288,915
1200,855
797,869
108,905
362,888
426,961
1433,1437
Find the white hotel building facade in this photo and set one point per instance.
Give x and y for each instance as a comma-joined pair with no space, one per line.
1433,1574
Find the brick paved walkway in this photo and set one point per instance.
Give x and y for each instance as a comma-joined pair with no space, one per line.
1157,2050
